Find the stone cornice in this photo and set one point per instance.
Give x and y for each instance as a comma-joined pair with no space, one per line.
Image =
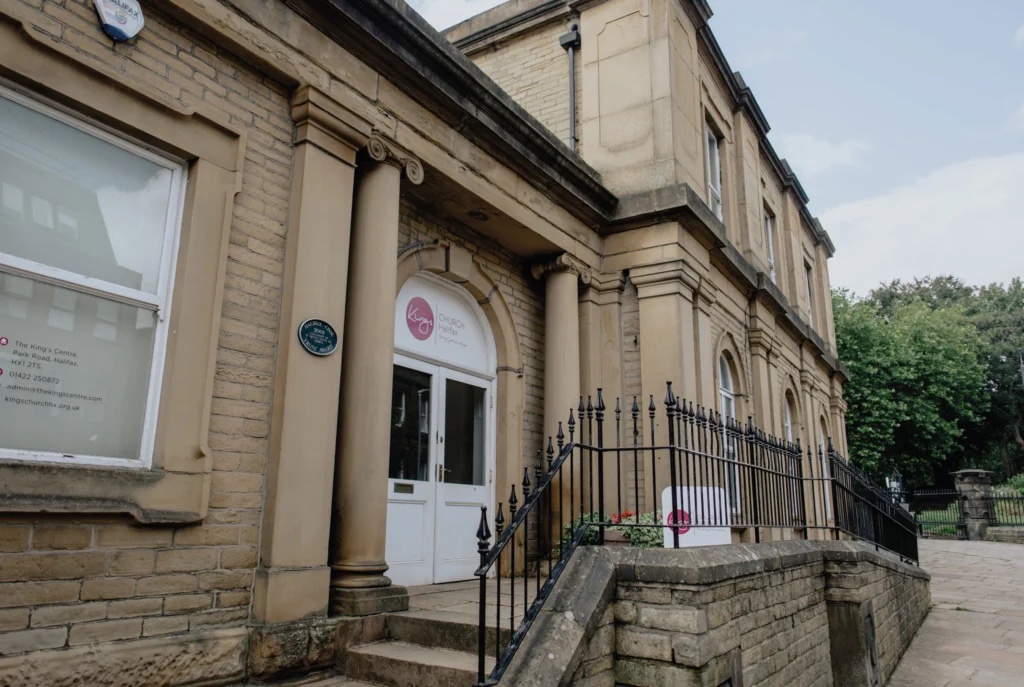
563,263
383,150
327,124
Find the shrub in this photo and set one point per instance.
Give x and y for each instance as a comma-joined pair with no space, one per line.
1016,483
645,537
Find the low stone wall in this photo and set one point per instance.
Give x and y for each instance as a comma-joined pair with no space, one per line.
1006,535
782,614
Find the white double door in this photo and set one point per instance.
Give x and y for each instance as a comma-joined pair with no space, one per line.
440,471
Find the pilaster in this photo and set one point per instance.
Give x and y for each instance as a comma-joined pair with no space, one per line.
667,345
292,581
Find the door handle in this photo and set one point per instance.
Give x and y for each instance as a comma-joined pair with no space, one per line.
441,469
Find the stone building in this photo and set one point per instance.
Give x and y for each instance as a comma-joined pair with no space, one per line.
194,481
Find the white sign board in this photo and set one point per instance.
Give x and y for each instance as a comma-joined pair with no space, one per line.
702,517
437,323
121,19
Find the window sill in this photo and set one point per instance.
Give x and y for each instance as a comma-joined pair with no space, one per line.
149,496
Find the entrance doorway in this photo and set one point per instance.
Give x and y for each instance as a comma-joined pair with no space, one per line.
441,460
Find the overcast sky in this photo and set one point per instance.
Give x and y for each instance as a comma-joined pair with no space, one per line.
904,121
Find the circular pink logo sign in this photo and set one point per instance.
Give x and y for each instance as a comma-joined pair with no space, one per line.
681,519
420,318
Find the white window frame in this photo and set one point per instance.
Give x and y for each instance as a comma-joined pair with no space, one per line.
714,170
159,303
727,408
769,237
826,473
787,428
809,281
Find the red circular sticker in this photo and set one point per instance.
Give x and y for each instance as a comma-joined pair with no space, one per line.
3,341
680,517
420,318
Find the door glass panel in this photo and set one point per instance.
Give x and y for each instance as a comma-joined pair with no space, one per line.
410,425
464,433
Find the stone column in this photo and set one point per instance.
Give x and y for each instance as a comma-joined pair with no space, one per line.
975,488
358,583
562,359
561,338
293,578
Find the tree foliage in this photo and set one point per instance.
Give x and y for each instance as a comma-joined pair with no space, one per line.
935,383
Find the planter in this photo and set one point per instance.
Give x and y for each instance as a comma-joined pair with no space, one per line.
615,538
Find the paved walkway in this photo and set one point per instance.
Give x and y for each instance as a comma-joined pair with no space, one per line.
974,635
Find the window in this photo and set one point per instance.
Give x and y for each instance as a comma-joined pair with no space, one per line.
714,172
787,417
769,242
89,228
825,472
792,464
727,408
809,281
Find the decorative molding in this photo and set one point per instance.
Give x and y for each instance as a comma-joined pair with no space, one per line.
388,152
327,124
707,294
564,263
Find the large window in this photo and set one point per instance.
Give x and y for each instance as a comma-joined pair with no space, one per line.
809,283
714,171
727,407
88,234
769,242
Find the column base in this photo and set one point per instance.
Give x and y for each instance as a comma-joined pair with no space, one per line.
369,600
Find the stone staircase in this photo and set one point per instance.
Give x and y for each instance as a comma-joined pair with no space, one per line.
423,648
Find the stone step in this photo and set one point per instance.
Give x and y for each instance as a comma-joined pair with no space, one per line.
442,630
397,664
311,681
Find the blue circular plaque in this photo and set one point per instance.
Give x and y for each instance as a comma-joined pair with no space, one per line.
318,337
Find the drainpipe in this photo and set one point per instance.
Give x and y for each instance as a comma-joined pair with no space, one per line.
571,43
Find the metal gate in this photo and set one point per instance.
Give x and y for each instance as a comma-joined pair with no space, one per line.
939,513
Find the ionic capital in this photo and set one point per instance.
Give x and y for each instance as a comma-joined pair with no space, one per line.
388,152
563,263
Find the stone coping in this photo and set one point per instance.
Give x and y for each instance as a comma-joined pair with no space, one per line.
713,564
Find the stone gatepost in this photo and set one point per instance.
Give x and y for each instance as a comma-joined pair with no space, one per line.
975,489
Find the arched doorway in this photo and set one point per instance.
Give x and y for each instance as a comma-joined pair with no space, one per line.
442,456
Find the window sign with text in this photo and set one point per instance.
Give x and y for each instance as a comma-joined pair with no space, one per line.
88,230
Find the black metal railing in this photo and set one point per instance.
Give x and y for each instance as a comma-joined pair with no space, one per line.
720,481
867,511
1007,507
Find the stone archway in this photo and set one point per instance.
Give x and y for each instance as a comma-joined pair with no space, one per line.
457,265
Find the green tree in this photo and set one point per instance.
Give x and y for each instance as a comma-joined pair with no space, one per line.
997,313
916,383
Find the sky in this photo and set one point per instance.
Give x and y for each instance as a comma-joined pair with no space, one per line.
904,121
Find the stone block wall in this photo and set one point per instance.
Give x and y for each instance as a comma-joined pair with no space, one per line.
774,621
533,69
756,614
76,581
899,602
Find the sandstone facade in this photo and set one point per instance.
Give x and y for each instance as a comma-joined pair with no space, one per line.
311,134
